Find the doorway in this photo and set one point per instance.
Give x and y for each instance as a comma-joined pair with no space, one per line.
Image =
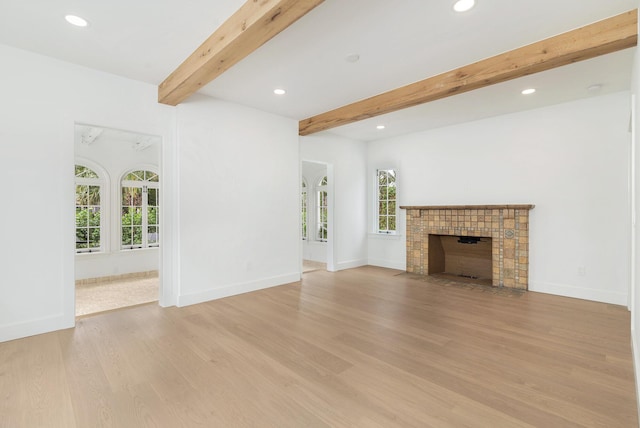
317,216
118,211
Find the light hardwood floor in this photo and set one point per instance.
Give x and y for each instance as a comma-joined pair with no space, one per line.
366,347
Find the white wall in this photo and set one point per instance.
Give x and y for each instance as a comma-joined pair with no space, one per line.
239,199
42,100
347,169
570,160
116,157
311,249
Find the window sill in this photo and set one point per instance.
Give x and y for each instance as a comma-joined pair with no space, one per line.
385,236
92,254
137,250
311,242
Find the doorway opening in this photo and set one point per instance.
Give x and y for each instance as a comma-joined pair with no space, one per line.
117,216
316,216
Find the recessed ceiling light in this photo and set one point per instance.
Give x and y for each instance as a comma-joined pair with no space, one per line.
279,91
463,5
528,91
380,127
76,20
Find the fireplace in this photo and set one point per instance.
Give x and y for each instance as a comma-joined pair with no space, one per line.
487,243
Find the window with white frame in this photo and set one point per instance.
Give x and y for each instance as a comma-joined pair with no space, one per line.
140,210
303,209
386,207
88,210
321,209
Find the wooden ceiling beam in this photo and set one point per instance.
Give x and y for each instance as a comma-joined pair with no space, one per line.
601,38
255,23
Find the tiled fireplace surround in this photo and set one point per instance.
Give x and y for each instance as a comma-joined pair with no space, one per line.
506,225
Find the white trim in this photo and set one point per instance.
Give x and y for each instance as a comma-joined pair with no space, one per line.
398,265
235,289
604,296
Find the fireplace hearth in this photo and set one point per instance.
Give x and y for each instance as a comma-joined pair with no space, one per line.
487,243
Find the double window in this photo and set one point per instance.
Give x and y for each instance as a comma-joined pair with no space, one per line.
140,210
386,201
88,210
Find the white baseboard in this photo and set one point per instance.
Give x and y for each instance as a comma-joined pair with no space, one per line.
388,264
34,327
604,296
233,289
351,264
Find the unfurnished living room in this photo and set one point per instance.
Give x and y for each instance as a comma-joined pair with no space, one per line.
345,213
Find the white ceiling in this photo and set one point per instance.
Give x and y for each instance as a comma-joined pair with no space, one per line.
398,42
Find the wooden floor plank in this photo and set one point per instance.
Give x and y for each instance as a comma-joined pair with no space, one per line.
363,347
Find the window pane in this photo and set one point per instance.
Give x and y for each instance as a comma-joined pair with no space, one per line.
94,237
151,176
322,233
82,195
152,197
94,216
132,196
81,217
126,216
392,222
81,236
84,172
137,215
392,208
382,193
93,195
382,223
152,234
152,216
137,235
135,176
126,236
382,178
382,208
392,192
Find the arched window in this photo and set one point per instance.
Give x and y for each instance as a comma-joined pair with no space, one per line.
303,208
140,210
321,209
88,210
